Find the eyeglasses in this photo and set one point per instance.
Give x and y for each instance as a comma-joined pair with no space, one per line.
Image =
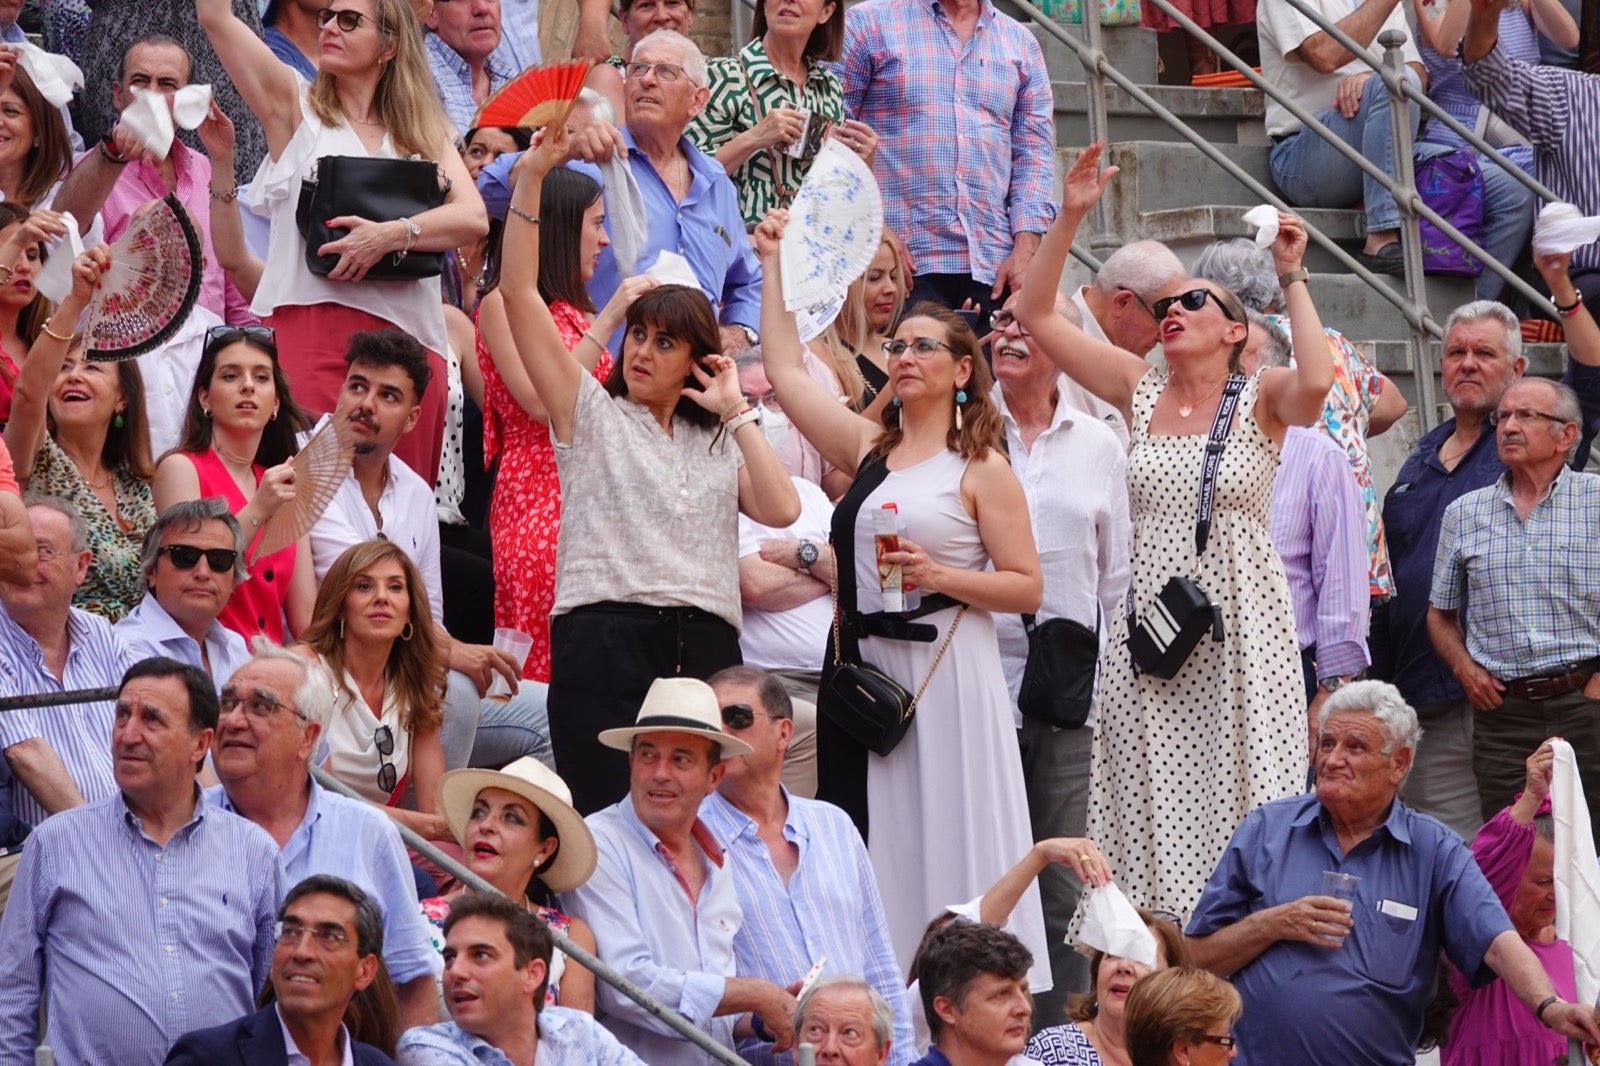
1001,321
187,556
666,73
327,937
766,399
1151,311
1192,301
258,705
232,334
1220,1041
742,716
922,347
348,20
1525,414
383,740
49,553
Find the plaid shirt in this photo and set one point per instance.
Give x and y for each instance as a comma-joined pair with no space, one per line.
455,81
1529,591
966,130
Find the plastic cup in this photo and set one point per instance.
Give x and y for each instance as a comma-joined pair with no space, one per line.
518,645
1340,886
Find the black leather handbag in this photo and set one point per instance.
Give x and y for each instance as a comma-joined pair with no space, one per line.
381,190
1166,634
1058,680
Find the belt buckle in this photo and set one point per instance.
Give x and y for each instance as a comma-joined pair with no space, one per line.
1547,688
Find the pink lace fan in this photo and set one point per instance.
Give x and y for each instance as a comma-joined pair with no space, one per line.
150,286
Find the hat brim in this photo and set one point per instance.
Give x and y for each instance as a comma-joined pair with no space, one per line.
575,860
622,739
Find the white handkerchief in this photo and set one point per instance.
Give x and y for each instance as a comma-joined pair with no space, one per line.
55,76
54,279
630,229
1111,924
1265,220
1563,228
190,106
670,268
149,120
1577,879
968,910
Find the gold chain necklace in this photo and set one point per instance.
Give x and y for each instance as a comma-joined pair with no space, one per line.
1185,410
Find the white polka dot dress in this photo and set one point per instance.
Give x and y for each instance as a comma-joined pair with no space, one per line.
1179,763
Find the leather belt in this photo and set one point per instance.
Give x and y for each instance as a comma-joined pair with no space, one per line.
1549,686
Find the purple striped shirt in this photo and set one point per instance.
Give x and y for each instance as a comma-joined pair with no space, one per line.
1319,528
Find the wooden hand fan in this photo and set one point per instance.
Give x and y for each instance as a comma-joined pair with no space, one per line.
150,286
536,97
319,469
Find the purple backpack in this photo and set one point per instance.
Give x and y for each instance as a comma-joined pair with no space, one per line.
1451,184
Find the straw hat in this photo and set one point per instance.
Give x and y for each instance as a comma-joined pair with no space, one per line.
540,786
678,705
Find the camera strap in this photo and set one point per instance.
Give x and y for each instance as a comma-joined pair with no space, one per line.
1213,460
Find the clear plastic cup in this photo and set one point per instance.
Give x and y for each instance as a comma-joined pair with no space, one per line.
1340,886
518,645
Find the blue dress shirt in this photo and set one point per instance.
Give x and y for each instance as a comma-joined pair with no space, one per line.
1359,1004
354,840
829,907
150,630
566,1038
289,52
130,944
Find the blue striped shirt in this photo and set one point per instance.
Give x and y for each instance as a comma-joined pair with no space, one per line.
80,733
131,944
566,1038
1447,88
830,906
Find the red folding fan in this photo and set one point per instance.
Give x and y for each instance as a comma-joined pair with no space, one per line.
536,97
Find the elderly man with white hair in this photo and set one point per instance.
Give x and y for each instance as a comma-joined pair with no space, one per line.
274,711
846,1021
1347,896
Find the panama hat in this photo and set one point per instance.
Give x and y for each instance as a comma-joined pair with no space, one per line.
540,786
678,705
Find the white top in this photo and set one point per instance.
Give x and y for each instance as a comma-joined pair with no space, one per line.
1082,398
1080,524
410,519
351,736
1281,29
412,306
293,1056
168,374
792,639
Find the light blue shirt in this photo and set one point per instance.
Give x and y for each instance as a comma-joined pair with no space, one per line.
829,907
150,630
566,1038
454,79
80,733
358,842
680,952
130,944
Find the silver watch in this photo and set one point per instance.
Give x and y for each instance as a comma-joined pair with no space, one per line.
808,554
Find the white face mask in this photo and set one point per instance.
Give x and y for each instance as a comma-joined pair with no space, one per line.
775,424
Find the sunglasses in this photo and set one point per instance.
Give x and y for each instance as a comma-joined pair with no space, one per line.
1220,1041
348,20
383,740
738,716
232,334
187,556
1192,301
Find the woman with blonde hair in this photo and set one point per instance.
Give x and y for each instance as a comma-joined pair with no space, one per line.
372,629
373,97
1182,1017
852,343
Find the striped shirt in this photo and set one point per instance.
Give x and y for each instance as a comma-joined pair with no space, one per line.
1318,529
454,78
80,733
129,943
1559,111
829,907
966,130
566,1038
1447,88
1528,589
737,83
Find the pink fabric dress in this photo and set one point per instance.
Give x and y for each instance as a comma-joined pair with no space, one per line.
256,605
1491,1026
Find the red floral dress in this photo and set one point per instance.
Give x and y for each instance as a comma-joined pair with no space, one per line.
525,512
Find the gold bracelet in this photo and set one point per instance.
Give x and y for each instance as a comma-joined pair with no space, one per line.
52,333
224,197
532,220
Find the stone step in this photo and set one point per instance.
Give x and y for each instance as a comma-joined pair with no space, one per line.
1220,116
1131,49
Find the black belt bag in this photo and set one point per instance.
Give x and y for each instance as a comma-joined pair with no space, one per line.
1058,681
1162,638
379,190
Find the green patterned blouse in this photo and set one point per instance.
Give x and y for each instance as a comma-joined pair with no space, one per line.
732,110
114,585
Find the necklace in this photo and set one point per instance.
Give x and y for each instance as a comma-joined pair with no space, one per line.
364,122
1187,409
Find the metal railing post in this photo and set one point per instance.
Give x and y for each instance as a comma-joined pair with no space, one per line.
1102,237
1420,345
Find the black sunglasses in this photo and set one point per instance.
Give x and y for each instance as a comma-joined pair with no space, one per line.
233,334
348,20
187,556
1192,301
1220,1041
383,740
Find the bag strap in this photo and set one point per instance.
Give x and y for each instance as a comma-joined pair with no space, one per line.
785,194
1214,445
955,624
1030,622
841,534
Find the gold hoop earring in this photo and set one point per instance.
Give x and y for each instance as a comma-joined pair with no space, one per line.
341,629
408,632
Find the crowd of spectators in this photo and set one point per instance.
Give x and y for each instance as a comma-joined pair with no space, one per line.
600,425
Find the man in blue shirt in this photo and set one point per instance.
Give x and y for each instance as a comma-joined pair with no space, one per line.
1370,963
1482,356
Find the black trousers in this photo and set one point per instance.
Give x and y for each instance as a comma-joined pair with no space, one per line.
952,290
603,659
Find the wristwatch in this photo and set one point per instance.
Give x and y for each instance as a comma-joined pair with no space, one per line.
1331,684
808,554
751,336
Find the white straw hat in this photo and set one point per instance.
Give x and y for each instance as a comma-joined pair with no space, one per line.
678,705
540,786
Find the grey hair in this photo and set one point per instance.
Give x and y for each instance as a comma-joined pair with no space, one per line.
694,61
598,104
1384,702
1275,349
313,697
62,505
1145,267
189,515
1244,270
1568,409
882,1016
749,357
1544,827
1485,310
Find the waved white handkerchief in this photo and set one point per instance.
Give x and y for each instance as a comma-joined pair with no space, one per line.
1265,220
1577,876
670,268
625,211
1563,228
151,121
1111,924
54,279
55,76
968,910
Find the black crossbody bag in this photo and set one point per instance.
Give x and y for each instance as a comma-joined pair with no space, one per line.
1163,638
1058,680
376,189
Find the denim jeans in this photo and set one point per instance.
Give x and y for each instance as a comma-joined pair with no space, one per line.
487,733
1313,173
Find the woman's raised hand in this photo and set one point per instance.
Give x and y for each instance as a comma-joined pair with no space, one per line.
1290,248
86,272
275,490
41,227
1541,767
550,146
768,233
1085,182
217,133
615,311
719,390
